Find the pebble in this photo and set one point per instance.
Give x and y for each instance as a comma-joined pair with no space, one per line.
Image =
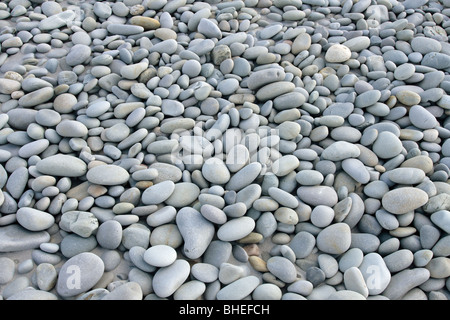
127,291
79,274
197,232
109,234
34,220
62,165
160,255
318,195
282,268
334,239
158,193
168,279
404,281
337,53
16,238
403,200
107,175
236,229
8,270
238,289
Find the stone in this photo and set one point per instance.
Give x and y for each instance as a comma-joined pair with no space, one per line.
7,270
404,199
375,273
238,289
425,45
34,220
282,268
337,53
422,118
404,281
387,145
168,279
158,193
236,229
160,255
197,232
109,234
62,165
334,239
107,175
215,171
318,195
406,175
128,291
183,194
340,150
79,274
37,97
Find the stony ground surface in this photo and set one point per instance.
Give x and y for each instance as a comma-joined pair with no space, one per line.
267,150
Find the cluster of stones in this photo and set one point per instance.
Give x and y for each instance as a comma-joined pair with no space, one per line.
273,149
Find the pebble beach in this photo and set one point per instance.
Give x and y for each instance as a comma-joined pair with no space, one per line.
224,150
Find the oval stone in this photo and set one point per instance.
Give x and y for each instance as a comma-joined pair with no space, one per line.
215,171
62,165
236,229
108,175
79,274
318,195
33,219
403,200
168,279
239,289
334,239
158,193
160,255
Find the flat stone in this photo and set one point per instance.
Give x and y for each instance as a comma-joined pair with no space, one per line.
146,22
107,175
282,268
422,118
406,175
404,281
62,165
183,194
34,220
37,97
403,200
238,289
158,193
387,145
79,274
236,229
168,279
334,239
318,195
197,232
340,150
215,171
425,45
160,255
356,169
337,53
